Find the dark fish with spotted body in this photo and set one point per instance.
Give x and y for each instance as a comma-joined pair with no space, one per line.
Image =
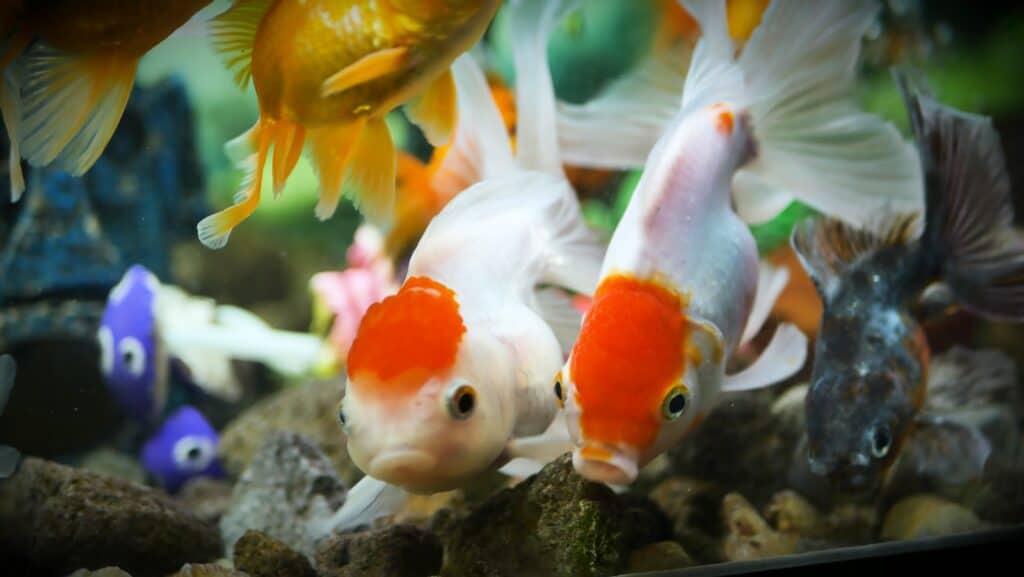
871,360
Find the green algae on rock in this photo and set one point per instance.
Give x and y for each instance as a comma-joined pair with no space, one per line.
928,516
64,519
208,570
553,524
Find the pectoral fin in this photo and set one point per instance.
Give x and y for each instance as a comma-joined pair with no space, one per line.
434,110
781,359
367,68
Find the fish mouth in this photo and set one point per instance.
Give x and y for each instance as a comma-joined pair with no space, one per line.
394,465
605,464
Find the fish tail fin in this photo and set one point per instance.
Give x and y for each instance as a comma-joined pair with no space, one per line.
575,255
215,229
533,21
357,158
72,103
813,143
480,148
969,218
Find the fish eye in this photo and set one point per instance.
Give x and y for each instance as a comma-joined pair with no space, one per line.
880,442
559,392
132,355
194,453
341,415
461,401
106,339
675,403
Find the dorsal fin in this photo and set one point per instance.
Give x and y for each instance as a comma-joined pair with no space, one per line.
827,247
233,35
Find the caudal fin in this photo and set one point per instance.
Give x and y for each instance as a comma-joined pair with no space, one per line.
969,219
814,144
71,105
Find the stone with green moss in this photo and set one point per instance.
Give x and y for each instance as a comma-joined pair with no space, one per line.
553,524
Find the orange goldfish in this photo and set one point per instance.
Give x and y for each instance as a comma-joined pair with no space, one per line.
64,98
330,71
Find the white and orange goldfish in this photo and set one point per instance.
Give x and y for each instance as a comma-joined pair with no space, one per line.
66,70
446,376
329,71
681,285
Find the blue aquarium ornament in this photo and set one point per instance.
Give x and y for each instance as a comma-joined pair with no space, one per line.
184,447
147,326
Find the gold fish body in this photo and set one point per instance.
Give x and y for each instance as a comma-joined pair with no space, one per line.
124,25
299,45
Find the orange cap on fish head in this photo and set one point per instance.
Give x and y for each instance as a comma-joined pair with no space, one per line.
405,340
630,355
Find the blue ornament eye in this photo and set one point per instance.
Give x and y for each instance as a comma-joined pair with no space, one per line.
194,453
132,356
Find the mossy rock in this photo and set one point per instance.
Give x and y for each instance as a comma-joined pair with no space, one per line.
553,524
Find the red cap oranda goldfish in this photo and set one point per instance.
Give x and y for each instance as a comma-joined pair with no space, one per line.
681,285
448,375
328,72
63,95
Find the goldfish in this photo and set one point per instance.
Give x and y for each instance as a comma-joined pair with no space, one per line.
329,71
68,68
183,448
447,377
871,362
9,456
682,287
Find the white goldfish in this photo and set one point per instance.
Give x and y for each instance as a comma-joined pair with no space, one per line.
677,293
446,377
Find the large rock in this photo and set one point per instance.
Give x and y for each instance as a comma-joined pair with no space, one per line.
289,484
310,409
553,524
396,551
63,519
261,556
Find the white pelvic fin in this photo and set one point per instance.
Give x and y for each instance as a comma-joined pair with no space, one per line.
556,308
536,136
618,128
781,359
814,143
480,147
368,500
771,282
